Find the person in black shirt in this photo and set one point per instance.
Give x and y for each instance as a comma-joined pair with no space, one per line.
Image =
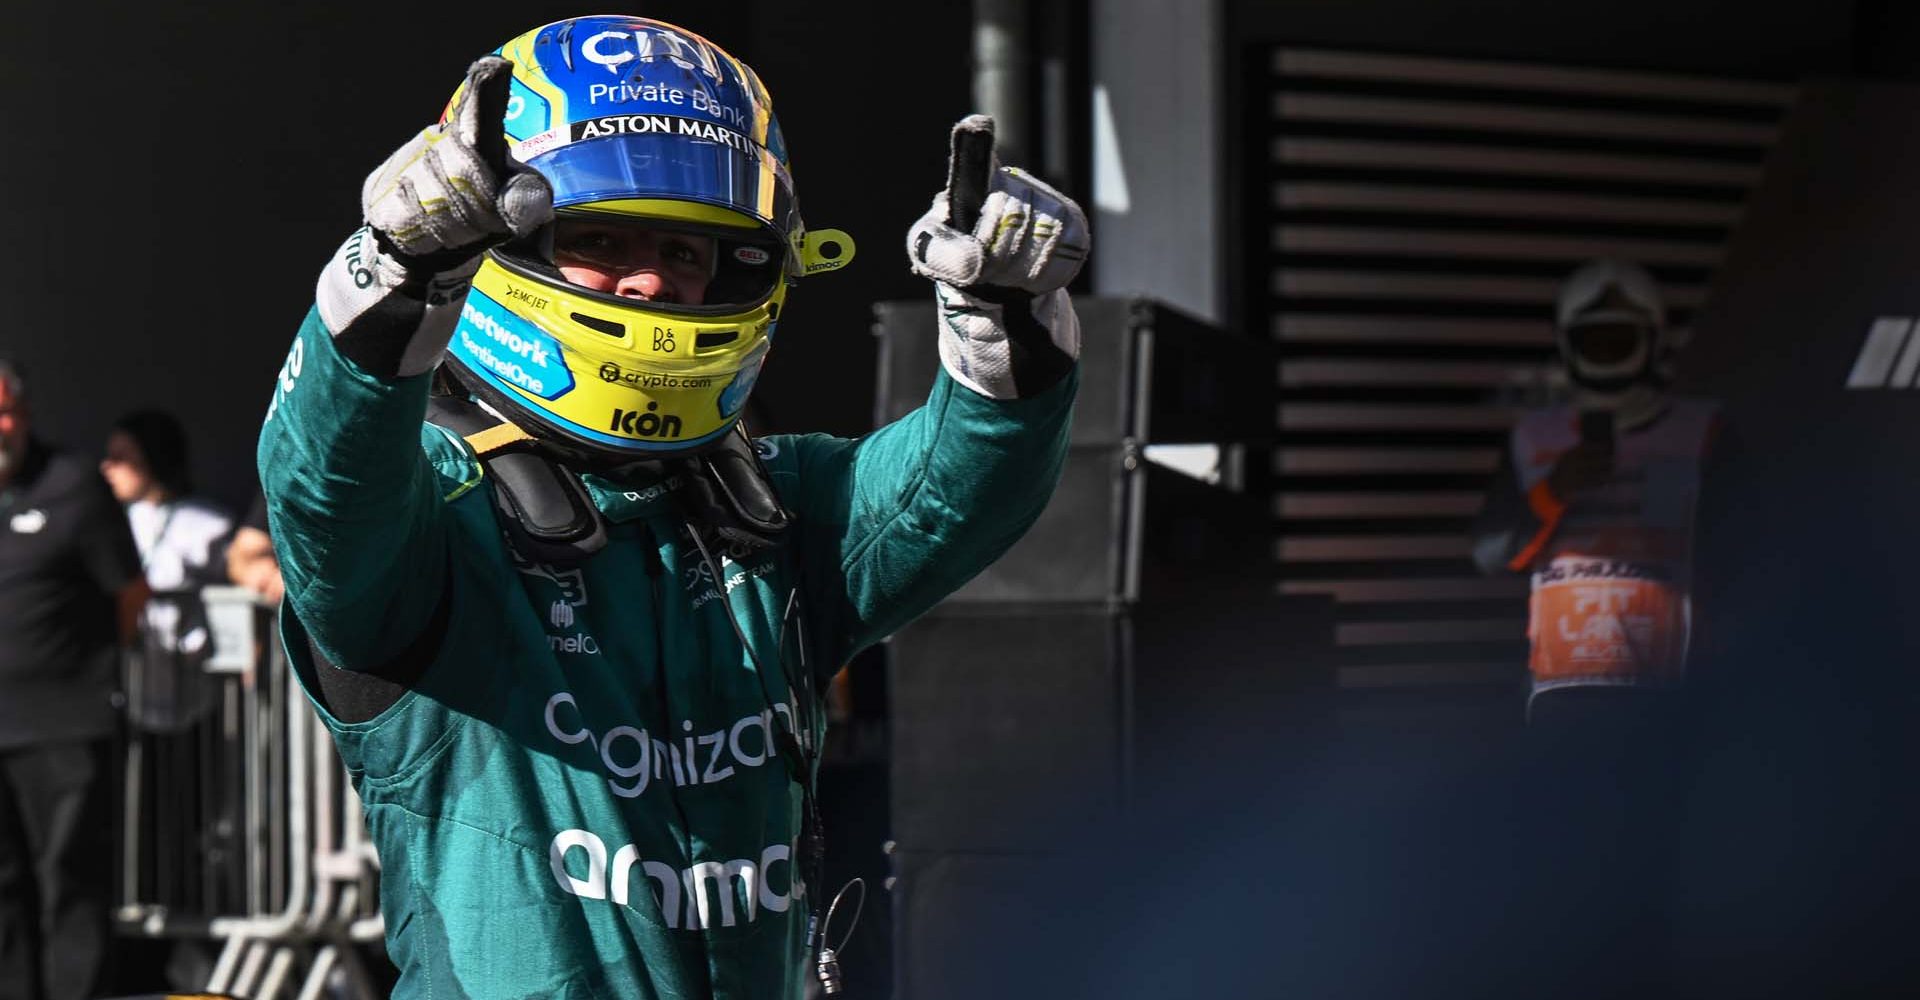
70,585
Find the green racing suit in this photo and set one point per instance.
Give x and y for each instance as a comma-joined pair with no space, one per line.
577,793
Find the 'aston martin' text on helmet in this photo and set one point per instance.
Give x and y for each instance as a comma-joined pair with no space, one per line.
638,122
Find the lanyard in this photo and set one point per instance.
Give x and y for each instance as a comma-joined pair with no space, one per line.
147,551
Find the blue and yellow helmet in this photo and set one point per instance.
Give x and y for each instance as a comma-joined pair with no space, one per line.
641,122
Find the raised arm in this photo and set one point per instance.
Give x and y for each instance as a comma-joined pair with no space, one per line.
901,518
1511,520
353,503
1519,519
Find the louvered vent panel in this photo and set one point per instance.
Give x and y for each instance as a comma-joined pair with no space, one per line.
1423,212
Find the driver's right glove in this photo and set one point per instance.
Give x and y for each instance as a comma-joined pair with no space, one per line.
392,294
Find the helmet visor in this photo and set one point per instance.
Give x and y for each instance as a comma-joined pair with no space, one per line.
1608,341
665,262
656,156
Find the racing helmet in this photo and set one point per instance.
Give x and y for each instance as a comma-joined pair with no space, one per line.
1610,325
651,136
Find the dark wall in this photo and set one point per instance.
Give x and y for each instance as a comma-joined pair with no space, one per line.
178,174
1787,38
1807,693
1472,858
1883,40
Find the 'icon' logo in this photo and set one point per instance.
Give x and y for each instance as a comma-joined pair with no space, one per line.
647,423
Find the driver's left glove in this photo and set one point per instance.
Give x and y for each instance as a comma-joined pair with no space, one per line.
1007,327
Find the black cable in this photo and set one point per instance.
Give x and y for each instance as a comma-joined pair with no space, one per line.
655,569
801,762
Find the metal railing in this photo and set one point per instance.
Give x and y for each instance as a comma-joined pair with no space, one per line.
239,827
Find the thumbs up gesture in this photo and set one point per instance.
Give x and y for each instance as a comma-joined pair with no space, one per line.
453,190
997,226
1001,247
392,294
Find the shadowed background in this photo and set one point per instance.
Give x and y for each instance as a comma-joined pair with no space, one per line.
178,173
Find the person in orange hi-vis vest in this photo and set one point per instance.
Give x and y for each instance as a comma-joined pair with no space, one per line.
1596,498
1595,502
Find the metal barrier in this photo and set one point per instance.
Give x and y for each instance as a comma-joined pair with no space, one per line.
239,827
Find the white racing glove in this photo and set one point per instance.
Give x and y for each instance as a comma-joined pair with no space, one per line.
1001,247
392,294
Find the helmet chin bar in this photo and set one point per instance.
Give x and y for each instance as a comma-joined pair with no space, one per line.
556,443
1608,383
1643,367
722,486
612,380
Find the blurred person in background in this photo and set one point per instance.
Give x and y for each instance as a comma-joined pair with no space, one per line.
1596,499
572,636
252,564
71,591
250,559
182,538
1596,502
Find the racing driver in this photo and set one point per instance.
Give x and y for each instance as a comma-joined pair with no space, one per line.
567,624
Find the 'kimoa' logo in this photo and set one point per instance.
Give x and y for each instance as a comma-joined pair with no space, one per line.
1890,356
